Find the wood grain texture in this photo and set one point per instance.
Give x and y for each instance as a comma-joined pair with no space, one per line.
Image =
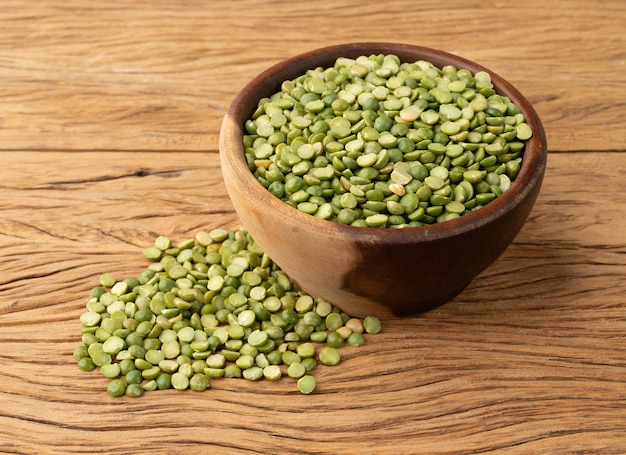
529,359
159,75
109,116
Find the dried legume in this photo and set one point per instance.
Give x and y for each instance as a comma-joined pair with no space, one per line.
210,307
306,384
332,136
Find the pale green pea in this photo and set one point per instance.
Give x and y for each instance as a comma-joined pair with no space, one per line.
272,372
272,304
264,129
333,321
449,112
111,370
401,177
261,360
199,382
346,216
168,366
329,356
107,280
369,133
323,308
315,85
505,182
151,373
375,206
246,318
180,381
441,172
356,191
185,367
356,339
153,253
90,319
393,104
340,105
354,146
340,127
306,350
186,334
473,176
524,131
372,324
215,360
244,361
306,152
258,337
306,384
234,330
455,207
113,345
300,122
314,106
288,357
367,159
142,364
171,349
101,358
263,151
457,86
308,207
251,278
460,195
154,356
437,148
296,370
434,182
214,373
447,216
485,198
495,148
253,373
387,140
304,304
235,270
258,293
324,211
409,114
344,332
450,127
429,117
232,371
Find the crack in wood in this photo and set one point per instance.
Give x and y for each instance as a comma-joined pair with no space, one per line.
141,172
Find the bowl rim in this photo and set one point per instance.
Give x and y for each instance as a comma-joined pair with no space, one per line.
232,152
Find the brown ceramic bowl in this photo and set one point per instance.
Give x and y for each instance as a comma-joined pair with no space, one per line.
376,271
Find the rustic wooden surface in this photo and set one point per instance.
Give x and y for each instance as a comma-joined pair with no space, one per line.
109,120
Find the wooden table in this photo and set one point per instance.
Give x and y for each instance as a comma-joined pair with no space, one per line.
109,122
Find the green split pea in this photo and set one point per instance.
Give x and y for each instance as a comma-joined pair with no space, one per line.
375,142
214,306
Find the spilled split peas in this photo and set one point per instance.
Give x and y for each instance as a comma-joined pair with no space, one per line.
211,307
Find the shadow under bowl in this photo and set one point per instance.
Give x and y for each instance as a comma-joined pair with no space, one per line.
383,272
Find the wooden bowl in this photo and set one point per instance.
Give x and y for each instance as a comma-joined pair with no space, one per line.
376,271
